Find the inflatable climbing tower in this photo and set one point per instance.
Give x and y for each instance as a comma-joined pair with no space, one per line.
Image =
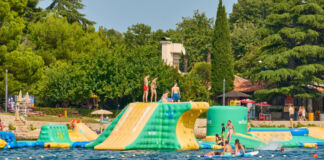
152,126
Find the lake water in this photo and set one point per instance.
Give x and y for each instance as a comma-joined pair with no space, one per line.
77,153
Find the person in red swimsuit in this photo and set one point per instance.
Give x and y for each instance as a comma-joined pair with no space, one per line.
146,87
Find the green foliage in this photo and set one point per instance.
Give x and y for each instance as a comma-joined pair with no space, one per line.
56,39
31,127
293,56
196,34
203,70
69,9
57,111
11,127
222,58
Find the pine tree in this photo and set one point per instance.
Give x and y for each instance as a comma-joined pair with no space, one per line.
222,56
69,9
292,60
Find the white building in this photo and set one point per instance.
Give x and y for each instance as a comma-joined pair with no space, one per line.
171,53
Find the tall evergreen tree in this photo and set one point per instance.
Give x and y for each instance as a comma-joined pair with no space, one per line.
222,56
69,9
293,55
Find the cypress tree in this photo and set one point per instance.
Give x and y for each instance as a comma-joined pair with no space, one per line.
222,56
293,55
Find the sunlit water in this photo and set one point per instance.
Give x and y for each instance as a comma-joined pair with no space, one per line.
40,153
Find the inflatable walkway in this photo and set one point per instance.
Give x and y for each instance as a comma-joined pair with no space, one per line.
152,126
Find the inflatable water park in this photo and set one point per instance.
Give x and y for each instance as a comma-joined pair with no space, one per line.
167,126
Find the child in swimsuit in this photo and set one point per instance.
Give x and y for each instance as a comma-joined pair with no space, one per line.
218,140
146,87
231,130
227,149
239,147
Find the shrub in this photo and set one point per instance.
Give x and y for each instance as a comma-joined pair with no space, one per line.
31,127
11,127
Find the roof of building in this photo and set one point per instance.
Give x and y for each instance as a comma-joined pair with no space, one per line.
245,85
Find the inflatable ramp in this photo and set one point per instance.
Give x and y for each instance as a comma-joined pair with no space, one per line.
82,132
153,126
55,136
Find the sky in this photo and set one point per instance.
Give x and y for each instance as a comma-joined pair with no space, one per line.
159,14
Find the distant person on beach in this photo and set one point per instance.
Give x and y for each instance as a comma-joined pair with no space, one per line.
239,147
175,93
146,87
230,132
1,125
164,98
153,89
227,148
300,113
291,115
304,113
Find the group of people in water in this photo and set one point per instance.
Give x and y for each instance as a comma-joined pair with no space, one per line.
175,92
225,141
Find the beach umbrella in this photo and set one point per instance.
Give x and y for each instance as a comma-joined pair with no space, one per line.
263,104
247,101
101,112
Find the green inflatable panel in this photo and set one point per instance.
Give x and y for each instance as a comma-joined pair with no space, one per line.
104,135
54,133
160,130
216,115
247,142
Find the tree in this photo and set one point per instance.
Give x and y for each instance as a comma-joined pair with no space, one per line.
196,34
221,57
293,55
138,34
69,9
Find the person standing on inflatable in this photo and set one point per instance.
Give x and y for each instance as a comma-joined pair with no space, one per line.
230,132
153,89
175,95
146,87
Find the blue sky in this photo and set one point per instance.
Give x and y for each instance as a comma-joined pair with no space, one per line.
159,14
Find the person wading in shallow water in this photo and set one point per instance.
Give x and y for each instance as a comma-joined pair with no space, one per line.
146,87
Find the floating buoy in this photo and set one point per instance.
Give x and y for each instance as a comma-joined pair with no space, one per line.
18,157
315,156
272,155
30,157
260,156
284,156
41,156
198,155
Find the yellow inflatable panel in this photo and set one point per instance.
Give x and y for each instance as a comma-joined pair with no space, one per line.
273,136
185,125
129,126
77,137
56,145
210,139
316,132
310,145
85,131
217,146
3,143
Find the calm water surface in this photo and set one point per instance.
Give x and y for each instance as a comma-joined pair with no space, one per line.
40,153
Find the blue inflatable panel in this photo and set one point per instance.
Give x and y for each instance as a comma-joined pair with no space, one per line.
249,154
320,143
80,144
21,144
299,132
9,137
11,145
